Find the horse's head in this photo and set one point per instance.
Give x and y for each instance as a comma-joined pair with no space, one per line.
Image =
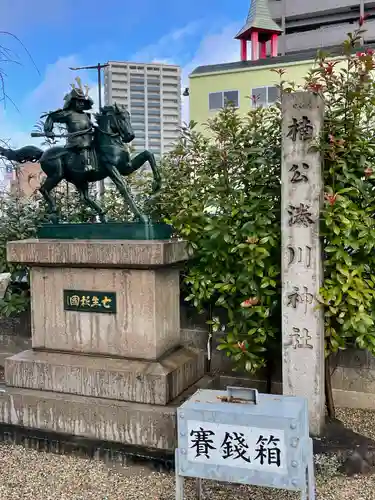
115,119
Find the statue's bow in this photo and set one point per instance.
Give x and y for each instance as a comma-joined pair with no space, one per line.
40,134
63,136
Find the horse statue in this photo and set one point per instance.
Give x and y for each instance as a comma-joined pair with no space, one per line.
111,157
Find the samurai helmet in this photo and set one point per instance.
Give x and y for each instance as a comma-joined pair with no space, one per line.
77,92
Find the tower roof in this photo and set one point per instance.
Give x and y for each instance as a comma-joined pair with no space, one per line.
258,18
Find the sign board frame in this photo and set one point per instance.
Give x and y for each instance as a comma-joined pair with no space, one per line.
90,301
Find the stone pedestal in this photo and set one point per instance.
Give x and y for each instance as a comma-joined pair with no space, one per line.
106,361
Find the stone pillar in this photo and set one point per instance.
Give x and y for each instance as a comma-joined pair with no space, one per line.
274,44
106,362
302,316
263,50
243,50
254,45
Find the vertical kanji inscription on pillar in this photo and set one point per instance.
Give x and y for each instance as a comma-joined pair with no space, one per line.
302,187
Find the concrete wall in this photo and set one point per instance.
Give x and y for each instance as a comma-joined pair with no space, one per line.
324,36
320,23
294,8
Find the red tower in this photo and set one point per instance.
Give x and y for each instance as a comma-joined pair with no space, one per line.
259,29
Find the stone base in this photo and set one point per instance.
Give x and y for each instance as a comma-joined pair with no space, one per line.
133,424
145,326
155,383
97,254
96,419
140,279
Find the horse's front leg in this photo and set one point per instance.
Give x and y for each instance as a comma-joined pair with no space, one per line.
124,190
140,160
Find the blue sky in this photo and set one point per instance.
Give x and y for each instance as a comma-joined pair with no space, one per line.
63,33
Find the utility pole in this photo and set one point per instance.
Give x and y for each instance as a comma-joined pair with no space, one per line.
98,68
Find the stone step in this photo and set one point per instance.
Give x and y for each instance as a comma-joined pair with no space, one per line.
5,355
153,382
133,424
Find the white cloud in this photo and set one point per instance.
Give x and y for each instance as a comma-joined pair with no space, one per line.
93,93
163,61
48,95
56,83
13,135
215,48
169,46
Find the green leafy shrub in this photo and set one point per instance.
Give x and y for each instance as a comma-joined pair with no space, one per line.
222,194
348,224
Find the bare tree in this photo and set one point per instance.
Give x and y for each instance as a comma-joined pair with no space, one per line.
7,58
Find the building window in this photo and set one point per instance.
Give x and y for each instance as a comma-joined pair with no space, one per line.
217,100
231,97
264,96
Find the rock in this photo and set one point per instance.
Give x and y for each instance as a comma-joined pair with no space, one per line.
355,463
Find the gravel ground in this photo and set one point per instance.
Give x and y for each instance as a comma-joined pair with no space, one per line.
28,474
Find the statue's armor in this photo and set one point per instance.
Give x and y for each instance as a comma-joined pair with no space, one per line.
79,128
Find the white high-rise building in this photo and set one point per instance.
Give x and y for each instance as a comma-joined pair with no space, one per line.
152,95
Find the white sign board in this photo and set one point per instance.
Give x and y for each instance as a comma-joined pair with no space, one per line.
235,446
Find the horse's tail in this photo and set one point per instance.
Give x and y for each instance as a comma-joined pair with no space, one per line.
22,155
